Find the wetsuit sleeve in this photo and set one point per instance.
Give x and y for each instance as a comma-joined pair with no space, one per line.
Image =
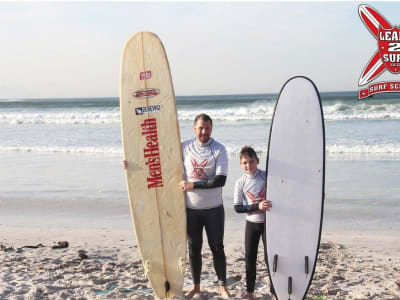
246,208
214,182
238,200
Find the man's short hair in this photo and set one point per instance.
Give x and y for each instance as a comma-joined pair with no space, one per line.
249,152
203,117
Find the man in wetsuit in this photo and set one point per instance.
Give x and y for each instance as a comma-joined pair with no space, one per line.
205,168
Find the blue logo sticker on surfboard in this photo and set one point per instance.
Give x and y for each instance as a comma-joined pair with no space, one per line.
147,109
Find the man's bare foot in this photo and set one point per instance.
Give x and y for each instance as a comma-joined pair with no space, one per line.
195,290
224,292
248,296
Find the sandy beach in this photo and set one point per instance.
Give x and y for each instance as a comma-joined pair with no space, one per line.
359,255
351,265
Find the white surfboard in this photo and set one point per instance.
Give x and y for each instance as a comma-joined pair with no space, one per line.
152,148
295,186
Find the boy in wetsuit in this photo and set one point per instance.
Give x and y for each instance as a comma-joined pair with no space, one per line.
249,198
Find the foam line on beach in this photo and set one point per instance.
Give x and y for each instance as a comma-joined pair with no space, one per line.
374,150
257,111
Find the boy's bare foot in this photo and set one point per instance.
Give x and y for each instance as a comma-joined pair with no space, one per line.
224,292
248,296
195,290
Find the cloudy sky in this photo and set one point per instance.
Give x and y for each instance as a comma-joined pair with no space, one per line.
73,49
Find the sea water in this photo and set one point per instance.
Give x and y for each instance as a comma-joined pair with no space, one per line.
61,158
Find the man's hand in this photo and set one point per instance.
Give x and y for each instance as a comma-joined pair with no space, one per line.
125,164
265,205
186,185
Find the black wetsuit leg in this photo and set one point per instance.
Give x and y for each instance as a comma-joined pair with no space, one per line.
215,224
213,220
253,233
195,226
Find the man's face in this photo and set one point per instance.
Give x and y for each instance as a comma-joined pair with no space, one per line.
202,129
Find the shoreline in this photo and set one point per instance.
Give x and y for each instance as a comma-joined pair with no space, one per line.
351,265
99,236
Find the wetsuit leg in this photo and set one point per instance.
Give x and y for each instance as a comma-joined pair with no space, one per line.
264,239
252,239
214,223
195,226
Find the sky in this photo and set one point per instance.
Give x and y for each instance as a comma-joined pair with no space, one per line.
73,49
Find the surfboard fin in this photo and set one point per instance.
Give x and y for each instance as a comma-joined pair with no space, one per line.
275,266
147,267
181,264
306,265
167,286
290,286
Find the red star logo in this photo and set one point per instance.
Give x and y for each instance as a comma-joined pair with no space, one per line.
198,169
256,198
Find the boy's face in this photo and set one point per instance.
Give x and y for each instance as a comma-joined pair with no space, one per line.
249,164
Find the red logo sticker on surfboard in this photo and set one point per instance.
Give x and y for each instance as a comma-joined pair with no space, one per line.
146,93
145,75
152,153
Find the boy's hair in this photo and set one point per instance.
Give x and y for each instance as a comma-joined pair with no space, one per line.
249,152
203,117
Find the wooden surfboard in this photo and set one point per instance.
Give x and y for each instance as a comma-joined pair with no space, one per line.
295,186
152,148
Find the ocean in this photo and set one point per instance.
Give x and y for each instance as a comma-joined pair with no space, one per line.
61,158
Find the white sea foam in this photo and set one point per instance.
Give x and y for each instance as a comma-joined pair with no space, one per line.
11,100
332,112
253,112
63,149
231,148
361,111
373,149
61,118
336,149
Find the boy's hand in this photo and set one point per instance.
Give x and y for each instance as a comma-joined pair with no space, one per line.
125,164
265,205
